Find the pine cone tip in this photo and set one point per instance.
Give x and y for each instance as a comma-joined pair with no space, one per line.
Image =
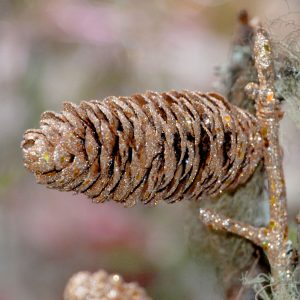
37,154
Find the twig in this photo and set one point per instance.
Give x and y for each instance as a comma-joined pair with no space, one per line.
273,238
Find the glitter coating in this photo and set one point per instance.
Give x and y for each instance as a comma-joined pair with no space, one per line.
102,286
273,238
147,147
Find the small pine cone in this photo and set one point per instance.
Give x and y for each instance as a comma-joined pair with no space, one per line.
101,286
145,147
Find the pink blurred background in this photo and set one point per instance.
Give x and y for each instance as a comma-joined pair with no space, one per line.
51,51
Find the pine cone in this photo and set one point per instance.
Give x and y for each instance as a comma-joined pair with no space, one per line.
101,286
149,147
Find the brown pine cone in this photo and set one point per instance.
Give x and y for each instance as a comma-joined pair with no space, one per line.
101,286
145,147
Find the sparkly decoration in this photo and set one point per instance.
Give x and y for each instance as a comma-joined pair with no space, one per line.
229,254
218,222
148,147
101,286
169,146
273,238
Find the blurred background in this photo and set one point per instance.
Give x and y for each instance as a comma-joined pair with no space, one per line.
52,51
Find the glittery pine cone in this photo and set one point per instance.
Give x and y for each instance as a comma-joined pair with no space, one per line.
101,286
145,147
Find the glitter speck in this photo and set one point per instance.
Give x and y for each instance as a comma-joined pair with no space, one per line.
272,224
267,47
46,156
265,245
270,97
227,119
112,294
116,278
